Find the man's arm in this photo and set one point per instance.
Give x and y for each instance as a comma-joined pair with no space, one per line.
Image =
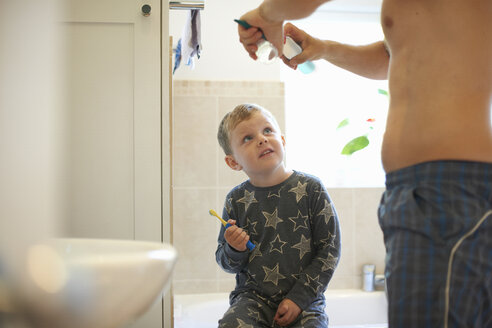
370,61
269,17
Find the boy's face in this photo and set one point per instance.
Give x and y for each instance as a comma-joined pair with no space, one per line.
257,147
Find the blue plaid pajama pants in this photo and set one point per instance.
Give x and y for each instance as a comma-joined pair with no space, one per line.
436,219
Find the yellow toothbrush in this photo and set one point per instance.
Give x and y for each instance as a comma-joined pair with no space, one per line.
249,244
213,213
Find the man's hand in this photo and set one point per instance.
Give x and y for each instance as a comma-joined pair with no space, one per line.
248,37
312,48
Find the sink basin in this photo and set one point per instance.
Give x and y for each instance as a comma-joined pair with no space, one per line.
96,283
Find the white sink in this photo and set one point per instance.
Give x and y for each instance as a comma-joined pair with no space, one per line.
93,283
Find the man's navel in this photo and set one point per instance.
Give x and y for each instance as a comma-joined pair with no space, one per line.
387,22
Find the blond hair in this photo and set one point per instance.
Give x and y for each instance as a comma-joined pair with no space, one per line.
239,114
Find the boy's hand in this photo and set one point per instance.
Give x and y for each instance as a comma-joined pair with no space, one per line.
236,237
287,312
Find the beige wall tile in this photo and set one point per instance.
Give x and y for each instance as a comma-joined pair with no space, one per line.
339,281
343,201
369,243
228,88
195,234
194,141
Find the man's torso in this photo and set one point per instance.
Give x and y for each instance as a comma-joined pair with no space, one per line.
440,81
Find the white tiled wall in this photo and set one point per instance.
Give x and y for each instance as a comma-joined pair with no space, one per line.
201,181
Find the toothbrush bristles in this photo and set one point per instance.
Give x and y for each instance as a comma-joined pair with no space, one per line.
213,213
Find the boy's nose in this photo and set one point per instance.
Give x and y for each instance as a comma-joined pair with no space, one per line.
262,140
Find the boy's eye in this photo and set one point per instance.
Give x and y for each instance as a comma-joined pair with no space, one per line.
268,130
246,139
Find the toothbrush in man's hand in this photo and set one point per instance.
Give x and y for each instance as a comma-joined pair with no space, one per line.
249,244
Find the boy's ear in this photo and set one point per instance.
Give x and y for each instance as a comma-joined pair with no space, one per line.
283,140
231,162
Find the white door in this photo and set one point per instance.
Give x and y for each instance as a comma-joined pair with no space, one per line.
113,81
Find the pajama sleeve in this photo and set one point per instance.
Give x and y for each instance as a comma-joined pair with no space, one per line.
229,259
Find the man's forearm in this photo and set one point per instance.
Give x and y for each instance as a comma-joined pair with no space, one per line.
281,10
370,61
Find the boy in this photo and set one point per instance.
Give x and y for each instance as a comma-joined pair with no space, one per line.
289,218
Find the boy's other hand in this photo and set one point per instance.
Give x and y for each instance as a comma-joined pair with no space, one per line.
287,312
236,237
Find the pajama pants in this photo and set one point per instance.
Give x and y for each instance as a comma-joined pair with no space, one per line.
436,219
250,310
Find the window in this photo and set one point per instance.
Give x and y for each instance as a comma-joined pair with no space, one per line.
318,102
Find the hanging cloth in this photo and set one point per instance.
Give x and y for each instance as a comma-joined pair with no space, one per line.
189,44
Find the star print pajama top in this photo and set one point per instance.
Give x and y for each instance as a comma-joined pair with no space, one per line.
296,232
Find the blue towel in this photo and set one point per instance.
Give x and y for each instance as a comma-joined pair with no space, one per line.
189,44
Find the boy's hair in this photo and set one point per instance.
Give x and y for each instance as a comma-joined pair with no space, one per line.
239,114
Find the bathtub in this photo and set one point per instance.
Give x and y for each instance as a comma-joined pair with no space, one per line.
346,308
